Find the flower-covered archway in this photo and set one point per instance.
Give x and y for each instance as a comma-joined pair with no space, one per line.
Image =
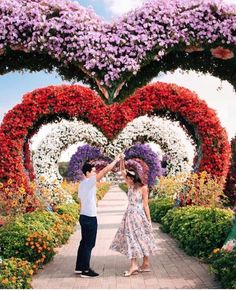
159,36
47,104
169,135
46,158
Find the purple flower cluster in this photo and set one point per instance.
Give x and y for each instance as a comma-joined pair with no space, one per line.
72,34
85,153
145,153
100,163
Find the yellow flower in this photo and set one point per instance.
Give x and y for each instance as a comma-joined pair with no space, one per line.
21,190
14,203
215,251
9,182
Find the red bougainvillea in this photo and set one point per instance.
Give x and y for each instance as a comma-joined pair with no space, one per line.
44,105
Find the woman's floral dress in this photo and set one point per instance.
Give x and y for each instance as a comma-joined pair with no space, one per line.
134,237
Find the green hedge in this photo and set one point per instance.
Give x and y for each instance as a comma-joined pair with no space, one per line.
199,230
159,207
224,267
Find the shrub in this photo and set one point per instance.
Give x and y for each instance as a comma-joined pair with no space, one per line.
203,190
26,240
50,222
123,187
71,209
25,236
71,188
199,230
102,188
15,274
159,207
168,187
223,264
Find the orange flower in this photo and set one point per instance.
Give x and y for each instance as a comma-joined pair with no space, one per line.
5,281
13,203
215,251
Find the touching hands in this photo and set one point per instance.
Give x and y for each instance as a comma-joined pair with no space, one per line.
119,157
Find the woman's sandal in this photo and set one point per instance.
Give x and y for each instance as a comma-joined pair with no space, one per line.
141,270
128,274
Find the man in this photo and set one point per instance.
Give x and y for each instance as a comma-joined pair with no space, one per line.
88,217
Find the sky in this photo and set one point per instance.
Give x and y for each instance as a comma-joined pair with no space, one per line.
218,95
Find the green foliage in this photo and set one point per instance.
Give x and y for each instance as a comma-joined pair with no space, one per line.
63,168
102,189
15,274
224,267
168,187
71,209
124,187
199,230
34,235
159,207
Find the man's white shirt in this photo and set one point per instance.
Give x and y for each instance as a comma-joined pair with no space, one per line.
87,195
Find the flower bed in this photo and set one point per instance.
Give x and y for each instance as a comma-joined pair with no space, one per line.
28,241
15,274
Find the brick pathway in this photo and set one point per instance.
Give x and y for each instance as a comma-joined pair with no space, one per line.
171,268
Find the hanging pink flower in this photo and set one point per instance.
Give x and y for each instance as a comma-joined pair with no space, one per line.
194,48
222,53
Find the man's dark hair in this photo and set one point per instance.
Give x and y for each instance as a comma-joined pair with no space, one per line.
87,168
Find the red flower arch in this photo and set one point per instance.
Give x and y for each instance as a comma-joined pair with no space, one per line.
46,104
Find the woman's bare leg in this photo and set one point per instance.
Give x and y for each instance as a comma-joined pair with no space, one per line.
133,267
145,264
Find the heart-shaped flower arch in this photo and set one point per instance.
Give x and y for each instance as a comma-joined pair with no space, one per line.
160,36
169,135
47,104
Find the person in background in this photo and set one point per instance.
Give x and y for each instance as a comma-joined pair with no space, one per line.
88,217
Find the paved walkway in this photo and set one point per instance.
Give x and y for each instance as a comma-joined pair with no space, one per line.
171,268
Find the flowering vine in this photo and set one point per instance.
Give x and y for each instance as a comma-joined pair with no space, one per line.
63,34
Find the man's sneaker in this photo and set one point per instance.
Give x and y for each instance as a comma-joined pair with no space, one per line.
77,271
88,273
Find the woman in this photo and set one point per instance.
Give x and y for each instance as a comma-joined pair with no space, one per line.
135,237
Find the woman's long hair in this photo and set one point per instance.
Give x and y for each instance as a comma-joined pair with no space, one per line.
135,178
